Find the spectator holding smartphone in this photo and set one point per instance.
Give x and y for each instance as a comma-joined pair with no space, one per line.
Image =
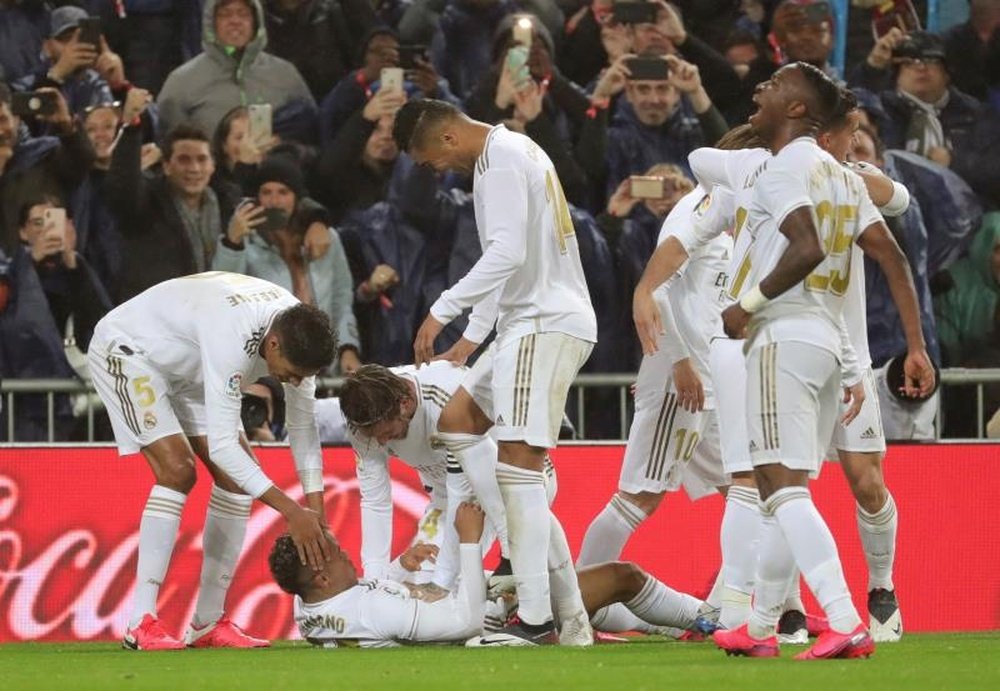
30,166
269,237
71,65
170,220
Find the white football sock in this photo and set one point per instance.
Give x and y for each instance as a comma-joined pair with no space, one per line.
477,455
157,534
739,537
793,600
714,598
563,584
815,554
878,538
225,528
660,604
528,528
771,583
609,531
617,618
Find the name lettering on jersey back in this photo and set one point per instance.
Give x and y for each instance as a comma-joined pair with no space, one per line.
237,299
324,621
752,177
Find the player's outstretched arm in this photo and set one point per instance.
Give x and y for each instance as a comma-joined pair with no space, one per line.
664,263
878,243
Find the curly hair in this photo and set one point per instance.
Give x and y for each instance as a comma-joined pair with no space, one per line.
740,137
286,568
306,336
372,394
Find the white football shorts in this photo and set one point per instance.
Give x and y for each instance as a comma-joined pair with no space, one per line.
729,380
864,434
792,404
523,386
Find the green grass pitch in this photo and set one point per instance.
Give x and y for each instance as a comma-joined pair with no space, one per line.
953,661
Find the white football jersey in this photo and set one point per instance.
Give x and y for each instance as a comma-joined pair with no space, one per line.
531,262
435,384
803,175
735,171
203,334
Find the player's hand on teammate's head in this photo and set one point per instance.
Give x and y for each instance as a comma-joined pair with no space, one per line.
469,522
855,396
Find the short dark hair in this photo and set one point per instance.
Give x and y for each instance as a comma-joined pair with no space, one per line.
371,394
35,200
416,118
286,567
826,93
183,132
5,94
847,103
306,337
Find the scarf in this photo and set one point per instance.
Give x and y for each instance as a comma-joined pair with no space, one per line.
203,226
925,131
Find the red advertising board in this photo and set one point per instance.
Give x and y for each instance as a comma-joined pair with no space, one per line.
69,529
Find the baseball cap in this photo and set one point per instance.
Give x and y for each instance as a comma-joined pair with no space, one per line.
65,18
920,45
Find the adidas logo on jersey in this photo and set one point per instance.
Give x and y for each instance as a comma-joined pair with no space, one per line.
753,446
870,433
500,420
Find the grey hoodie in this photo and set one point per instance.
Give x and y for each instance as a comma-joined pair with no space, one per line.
206,87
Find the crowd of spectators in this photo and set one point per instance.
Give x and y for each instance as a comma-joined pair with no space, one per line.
255,136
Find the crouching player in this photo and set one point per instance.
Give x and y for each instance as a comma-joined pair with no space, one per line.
334,608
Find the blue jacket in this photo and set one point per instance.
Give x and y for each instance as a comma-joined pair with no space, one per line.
635,247
633,148
22,29
462,46
97,235
84,89
31,347
951,211
885,330
599,269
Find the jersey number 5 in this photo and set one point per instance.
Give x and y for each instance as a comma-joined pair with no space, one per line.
564,223
836,228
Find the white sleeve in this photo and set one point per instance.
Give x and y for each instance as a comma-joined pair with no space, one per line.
505,206
223,368
375,487
447,566
899,202
710,219
303,435
458,617
483,317
850,368
710,166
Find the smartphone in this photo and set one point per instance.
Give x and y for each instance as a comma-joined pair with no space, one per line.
651,69
899,14
260,116
274,219
647,187
90,32
634,12
32,103
522,31
408,55
55,223
392,78
517,65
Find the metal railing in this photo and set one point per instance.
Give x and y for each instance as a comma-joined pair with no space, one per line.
620,383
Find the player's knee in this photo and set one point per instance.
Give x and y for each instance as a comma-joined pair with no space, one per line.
869,490
629,577
177,473
647,502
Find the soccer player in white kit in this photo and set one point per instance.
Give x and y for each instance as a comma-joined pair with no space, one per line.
334,608
395,412
169,365
806,212
674,437
531,281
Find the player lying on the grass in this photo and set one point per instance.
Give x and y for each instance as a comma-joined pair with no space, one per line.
334,608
